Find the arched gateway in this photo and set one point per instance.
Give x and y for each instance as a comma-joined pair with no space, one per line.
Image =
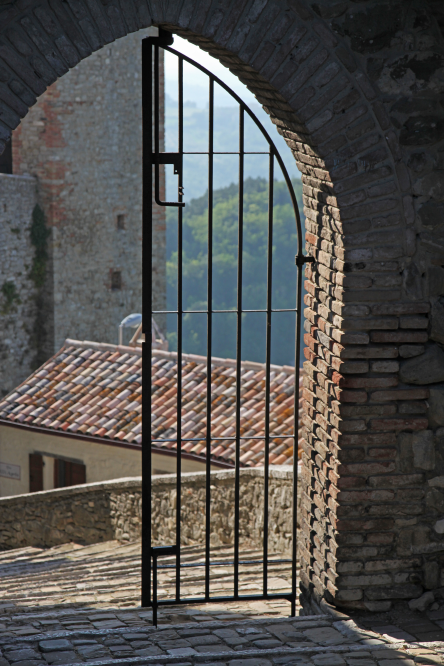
354,89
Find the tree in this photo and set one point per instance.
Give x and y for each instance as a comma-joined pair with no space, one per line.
225,266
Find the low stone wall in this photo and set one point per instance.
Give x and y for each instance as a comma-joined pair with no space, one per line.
112,510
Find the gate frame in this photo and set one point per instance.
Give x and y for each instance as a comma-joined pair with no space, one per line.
150,107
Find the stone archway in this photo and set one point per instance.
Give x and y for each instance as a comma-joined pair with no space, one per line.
357,100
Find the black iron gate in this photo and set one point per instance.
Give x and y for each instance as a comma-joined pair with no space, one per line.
152,159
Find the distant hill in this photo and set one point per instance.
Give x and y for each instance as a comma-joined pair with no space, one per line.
225,250
226,138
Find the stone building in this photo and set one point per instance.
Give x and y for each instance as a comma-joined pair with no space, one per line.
356,89
78,154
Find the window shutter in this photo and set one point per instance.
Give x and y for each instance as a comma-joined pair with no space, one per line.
35,472
77,474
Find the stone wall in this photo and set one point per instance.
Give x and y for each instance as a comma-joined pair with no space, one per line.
374,186
112,510
356,90
17,289
82,141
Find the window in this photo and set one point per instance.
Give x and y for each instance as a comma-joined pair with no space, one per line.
68,473
121,221
116,280
35,472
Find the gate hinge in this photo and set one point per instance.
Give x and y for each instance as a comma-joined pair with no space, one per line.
164,38
301,259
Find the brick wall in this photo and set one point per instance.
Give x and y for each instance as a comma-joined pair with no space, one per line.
82,141
357,99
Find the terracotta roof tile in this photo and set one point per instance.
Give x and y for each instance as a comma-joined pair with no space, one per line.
95,389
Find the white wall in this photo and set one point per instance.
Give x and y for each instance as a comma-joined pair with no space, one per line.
103,462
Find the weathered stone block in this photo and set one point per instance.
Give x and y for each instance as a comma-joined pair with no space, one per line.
435,500
426,369
431,185
423,602
406,591
411,539
437,318
435,402
422,130
423,447
432,572
409,351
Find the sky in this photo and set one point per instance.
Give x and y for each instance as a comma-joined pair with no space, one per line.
196,91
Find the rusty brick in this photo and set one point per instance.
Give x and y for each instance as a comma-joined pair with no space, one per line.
368,468
381,538
353,396
351,482
404,394
383,439
365,525
381,452
370,352
365,496
364,382
364,410
367,323
400,308
403,564
399,336
400,481
385,366
418,423
413,322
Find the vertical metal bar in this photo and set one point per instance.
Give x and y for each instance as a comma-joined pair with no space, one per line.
238,351
296,435
267,366
147,218
154,590
209,337
156,123
179,333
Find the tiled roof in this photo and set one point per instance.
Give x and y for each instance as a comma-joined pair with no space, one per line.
94,390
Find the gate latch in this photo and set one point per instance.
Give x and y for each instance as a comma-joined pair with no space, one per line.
170,158
167,158
159,551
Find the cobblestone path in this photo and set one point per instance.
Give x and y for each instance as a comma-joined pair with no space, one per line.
109,574
76,605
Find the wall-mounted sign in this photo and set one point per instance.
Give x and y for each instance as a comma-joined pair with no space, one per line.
10,471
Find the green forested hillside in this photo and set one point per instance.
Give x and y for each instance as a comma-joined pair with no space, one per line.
226,138
225,258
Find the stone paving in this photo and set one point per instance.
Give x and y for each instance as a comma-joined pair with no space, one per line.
74,605
105,574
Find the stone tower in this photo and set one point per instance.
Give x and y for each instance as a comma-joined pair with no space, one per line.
81,143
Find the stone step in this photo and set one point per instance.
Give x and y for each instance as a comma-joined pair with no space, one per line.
309,641
109,572
103,623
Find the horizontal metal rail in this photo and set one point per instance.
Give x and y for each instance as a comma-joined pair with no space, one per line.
153,159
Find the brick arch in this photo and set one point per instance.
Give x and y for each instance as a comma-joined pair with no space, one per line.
318,75
294,74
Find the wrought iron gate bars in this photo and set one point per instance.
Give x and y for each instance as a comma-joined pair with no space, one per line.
150,107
